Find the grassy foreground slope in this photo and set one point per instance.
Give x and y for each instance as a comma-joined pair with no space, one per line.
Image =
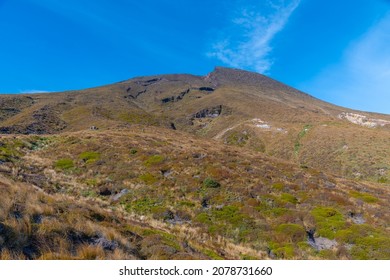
149,192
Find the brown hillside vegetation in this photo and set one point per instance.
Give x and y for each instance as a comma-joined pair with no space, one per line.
232,165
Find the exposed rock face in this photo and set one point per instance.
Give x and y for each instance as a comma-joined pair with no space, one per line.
182,94
105,192
206,89
166,173
322,243
106,244
175,98
168,99
212,112
356,218
120,194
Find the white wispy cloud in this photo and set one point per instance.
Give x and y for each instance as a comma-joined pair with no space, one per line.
361,80
248,42
32,91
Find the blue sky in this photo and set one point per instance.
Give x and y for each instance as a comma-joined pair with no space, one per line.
338,51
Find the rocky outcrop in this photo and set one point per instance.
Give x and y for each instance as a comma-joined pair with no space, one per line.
320,243
45,121
209,89
211,112
175,98
168,99
120,194
11,106
356,218
148,82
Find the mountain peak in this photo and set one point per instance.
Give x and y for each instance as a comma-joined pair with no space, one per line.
233,76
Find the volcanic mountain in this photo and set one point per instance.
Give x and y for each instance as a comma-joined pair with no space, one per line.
229,165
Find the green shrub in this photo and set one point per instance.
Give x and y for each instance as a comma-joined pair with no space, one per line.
10,151
165,237
91,182
353,233
203,218
230,221
276,212
278,186
153,160
293,231
228,213
148,178
297,147
237,138
371,247
6,154
327,254
364,196
162,213
186,203
383,180
143,206
283,251
39,143
89,157
211,254
64,164
302,133
248,257
328,221
211,183
88,193
289,198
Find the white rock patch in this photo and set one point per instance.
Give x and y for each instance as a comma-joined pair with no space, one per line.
362,120
263,125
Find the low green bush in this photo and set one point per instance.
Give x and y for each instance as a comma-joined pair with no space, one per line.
203,218
328,221
292,231
153,160
283,251
89,157
211,254
148,178
278,186
364,196
64,164
211,183
289,198
371,248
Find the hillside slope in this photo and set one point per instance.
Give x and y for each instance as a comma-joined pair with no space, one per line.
201,200
232,165
232,106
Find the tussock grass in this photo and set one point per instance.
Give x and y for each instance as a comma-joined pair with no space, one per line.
260,207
